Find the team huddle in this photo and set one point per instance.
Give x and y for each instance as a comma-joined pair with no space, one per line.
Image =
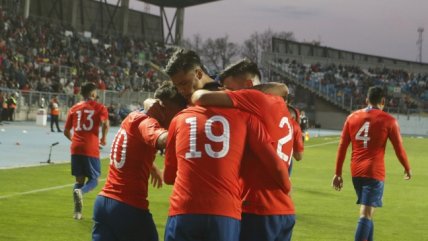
229,146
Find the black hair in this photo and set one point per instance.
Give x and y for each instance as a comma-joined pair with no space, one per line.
242,67
168,92
87,88
183,60
375,95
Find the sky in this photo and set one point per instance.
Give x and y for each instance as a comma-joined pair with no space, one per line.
380,27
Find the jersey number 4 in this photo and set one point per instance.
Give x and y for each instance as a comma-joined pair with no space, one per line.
223,138
363,134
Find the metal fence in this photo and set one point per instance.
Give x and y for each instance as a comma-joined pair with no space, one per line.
29,102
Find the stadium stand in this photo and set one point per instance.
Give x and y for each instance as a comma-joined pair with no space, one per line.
43,56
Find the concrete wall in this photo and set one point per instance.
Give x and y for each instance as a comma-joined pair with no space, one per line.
328,116
413,124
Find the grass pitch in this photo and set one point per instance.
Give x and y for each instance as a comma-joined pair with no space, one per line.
36,203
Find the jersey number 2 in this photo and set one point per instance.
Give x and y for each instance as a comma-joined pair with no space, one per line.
363,134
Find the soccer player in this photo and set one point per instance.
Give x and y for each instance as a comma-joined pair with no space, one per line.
82,128
268,211
133,151
304,124
368,130
188,73
298,146
203,161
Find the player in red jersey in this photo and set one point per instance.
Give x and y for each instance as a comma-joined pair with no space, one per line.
368,130
203,161
268,213
121,210
84,120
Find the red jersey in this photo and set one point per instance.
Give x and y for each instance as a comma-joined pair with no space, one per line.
263,196
85,118
368,129
203,157
131,157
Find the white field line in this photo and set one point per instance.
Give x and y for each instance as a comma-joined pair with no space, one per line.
69,185
323,144
39,190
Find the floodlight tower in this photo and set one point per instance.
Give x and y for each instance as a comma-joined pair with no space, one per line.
419,43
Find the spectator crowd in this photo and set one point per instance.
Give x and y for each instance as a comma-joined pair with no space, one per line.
405,90
45,56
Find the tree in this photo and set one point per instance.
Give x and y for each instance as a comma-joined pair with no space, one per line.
215,53
261,42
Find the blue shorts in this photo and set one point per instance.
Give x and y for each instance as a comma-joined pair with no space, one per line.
266,227
369,191
85,166
115,221
197,227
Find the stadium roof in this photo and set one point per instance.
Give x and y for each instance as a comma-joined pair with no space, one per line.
177,3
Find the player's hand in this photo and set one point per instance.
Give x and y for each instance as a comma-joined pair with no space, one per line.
156,177
103,141
407,174
337,182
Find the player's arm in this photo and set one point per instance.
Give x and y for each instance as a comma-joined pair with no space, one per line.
156,176
68,126
273,88
261,144
170,166
345,139
152,133
211,98
104,130
397,143
105,124
298,146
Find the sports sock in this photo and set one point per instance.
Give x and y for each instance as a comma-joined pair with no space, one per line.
363,229
90,184
371,231
77,186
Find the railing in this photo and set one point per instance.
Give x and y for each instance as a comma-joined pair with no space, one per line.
341,97
28,102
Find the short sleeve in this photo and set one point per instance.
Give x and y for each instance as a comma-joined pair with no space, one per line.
150,130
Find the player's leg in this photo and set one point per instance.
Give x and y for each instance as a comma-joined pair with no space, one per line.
187,227
78,171
223,229
259,227
124,222
101,231
370,194
287,223
92,171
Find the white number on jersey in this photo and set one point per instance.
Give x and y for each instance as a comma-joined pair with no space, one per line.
223,138
284,123
88,118
363,134
113,152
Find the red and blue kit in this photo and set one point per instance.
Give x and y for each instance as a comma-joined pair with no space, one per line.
203,159
129,171
368,129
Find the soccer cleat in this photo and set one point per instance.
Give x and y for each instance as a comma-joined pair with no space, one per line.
78,203
77,215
